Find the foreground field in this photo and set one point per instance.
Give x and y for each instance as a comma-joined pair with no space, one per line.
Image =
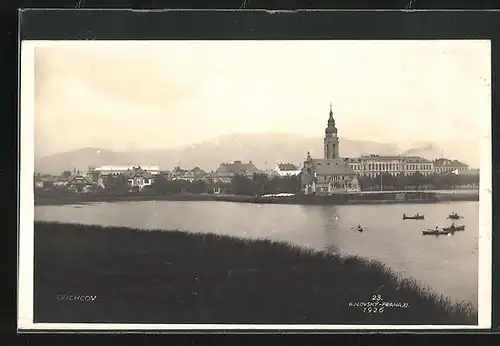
134,276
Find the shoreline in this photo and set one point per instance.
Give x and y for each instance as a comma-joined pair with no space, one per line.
208,278
344,199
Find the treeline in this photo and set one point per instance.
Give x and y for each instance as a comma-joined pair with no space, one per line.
418,181
258,184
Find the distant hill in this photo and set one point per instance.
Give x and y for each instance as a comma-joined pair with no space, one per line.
264,150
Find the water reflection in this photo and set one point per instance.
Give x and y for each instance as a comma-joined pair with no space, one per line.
449,264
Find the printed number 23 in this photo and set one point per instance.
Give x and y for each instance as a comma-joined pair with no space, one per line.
376,297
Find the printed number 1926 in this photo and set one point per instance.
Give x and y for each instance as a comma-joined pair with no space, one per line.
377,310
377,297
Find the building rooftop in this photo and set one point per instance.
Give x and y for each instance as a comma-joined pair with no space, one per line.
393,157
443,162
237,167
287,167
125,167
130,174
332,167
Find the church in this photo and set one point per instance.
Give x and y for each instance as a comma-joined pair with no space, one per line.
331,174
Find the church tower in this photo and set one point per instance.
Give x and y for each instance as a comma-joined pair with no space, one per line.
331,138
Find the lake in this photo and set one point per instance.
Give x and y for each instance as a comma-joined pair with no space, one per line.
448,264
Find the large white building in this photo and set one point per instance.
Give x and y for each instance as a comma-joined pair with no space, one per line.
122,169
374,165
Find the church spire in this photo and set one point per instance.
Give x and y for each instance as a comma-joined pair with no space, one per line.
331,121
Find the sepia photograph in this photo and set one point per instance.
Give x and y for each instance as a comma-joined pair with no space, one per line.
318,184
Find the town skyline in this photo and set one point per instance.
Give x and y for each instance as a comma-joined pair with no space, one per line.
209,154
118,96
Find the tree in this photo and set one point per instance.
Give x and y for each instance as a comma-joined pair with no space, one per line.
162,185
197,186
66,174
241,185
259,184
116,183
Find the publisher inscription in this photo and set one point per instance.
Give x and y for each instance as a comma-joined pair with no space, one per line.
377,305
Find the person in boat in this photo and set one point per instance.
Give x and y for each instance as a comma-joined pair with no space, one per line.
437,228
360,229
452,227
404,215
416,215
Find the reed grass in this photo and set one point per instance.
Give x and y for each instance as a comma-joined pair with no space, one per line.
181,277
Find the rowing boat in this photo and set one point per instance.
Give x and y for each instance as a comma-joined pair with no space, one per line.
414,217
434,232
457,228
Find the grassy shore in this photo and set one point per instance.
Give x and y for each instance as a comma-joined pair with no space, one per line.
179,277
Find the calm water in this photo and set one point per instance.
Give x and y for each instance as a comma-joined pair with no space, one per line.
447,263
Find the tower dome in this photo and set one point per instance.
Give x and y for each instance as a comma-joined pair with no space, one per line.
331,122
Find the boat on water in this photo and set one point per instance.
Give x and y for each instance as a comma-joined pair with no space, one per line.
414,217
358,228
457,228
443,231
454,216
435,232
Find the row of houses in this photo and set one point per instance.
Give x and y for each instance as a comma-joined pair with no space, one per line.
136,177
141,176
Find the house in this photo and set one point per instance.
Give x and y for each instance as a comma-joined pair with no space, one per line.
61,181
138,178
226,171
287,170
443,166
190,175
44,181
79,183
199,173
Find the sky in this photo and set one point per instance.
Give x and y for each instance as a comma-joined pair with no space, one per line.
161,94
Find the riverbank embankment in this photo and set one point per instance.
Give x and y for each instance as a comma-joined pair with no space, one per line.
134,276
382,197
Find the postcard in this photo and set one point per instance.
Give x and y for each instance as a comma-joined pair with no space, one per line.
255,184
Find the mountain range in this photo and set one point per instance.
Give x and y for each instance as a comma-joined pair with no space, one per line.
264,150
